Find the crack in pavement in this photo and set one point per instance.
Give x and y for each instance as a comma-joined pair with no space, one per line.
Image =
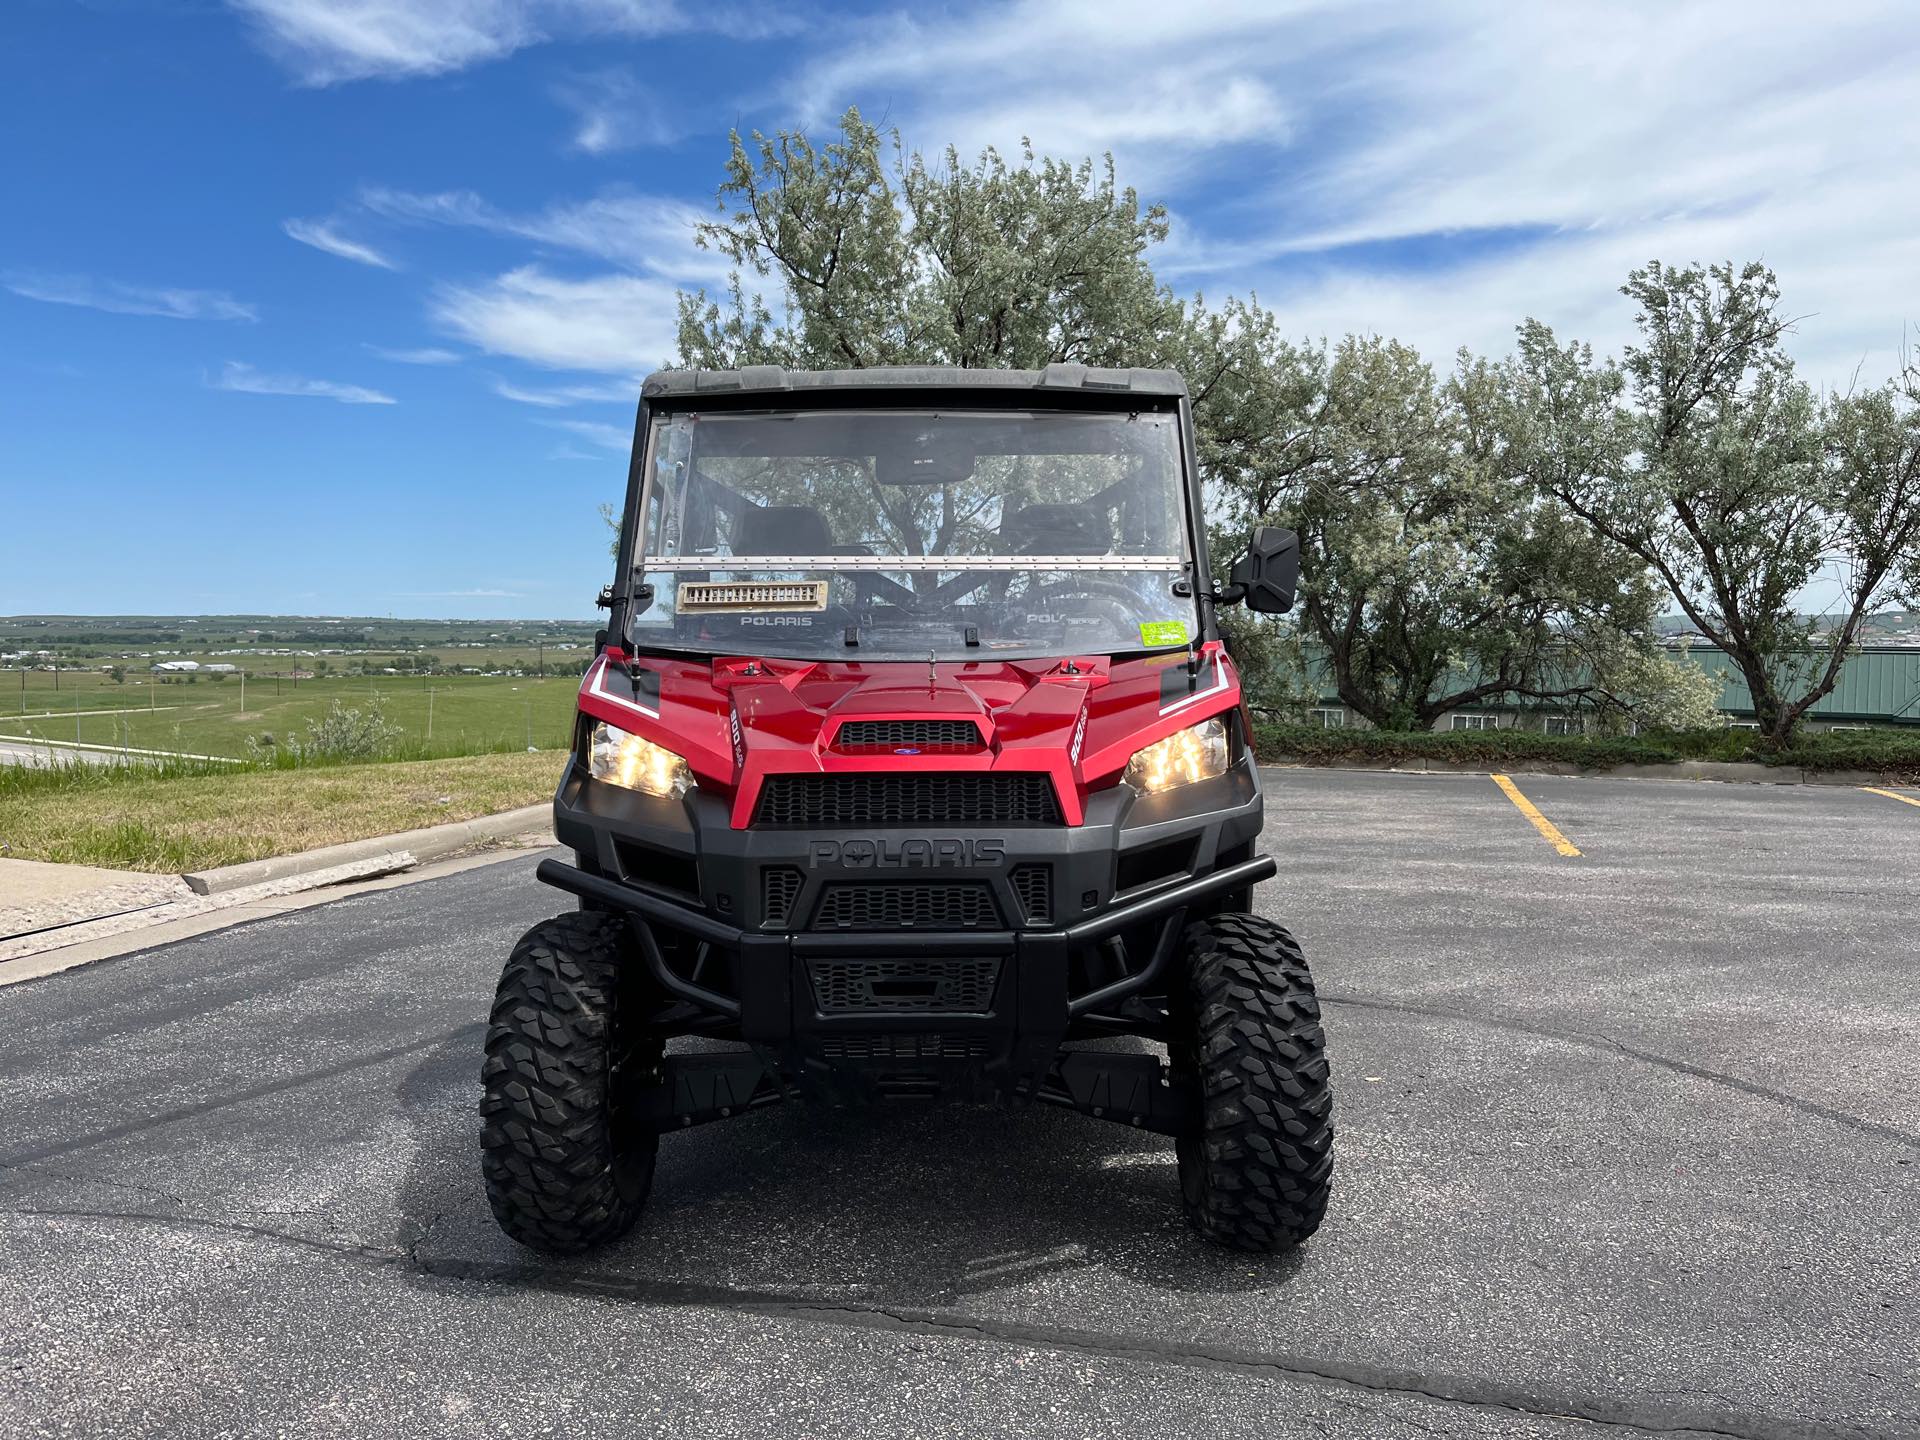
1591,1409
1650,1057
241,1097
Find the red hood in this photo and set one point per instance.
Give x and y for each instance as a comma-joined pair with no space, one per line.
1079,719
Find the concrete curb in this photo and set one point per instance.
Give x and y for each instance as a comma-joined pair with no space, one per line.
423,845
1721,771
106,939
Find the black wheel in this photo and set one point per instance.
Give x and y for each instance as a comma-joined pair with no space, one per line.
1255,1173
566,1165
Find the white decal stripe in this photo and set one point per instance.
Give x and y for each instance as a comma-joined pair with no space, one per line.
597,688
1214,687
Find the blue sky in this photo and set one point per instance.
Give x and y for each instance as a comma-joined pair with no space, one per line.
339,306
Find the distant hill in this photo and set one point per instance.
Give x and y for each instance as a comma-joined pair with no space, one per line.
88,637
1889,627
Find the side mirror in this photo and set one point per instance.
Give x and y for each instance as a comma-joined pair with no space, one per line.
1267,575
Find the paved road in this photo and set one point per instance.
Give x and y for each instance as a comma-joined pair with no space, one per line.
31,752
1628,1144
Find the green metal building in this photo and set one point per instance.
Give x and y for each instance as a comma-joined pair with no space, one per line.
1879,686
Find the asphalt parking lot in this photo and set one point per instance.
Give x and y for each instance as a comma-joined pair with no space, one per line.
1629,1143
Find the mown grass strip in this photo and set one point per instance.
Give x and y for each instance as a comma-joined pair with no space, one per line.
172,818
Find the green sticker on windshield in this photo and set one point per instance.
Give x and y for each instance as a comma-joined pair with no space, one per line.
1163,632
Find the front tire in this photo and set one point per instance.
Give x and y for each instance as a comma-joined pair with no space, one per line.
567,1167
1256,1171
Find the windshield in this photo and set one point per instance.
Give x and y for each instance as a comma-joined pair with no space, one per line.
903,534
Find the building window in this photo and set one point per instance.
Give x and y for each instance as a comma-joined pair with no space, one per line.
1476,722
1566,725
1328,719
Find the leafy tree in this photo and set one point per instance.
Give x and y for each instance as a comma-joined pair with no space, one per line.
1706,458
1435,573
1659,692
899,260
1430,577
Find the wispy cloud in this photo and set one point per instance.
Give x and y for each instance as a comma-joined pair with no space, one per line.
609,437
325,235
560,396
1441,172
121,299
648,233
613,111
477,593
243,378
427,355
325,42
617,324
1155,84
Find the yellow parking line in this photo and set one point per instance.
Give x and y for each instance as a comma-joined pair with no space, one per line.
1891,795
1540,822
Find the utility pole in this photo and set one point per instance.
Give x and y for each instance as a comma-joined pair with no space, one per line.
243,689
542,644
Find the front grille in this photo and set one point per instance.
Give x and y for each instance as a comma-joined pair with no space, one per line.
1034,885
957,905
987,798
779,888
903,1047
941,735
961,985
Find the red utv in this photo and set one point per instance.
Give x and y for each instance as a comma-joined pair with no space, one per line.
911,758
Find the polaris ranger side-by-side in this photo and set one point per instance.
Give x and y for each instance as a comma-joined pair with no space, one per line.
910,758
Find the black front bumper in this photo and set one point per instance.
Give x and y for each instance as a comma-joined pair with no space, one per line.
843,1003
1008,1047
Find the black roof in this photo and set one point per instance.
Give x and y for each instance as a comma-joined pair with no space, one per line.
1076,379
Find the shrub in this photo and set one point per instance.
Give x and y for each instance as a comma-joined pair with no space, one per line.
348,733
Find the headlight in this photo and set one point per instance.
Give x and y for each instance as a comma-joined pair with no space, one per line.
621,758
1197,753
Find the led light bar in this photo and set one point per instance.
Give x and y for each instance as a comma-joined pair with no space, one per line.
735,564
752,595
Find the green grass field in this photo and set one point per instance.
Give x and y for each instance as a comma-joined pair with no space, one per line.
471,714
174,819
